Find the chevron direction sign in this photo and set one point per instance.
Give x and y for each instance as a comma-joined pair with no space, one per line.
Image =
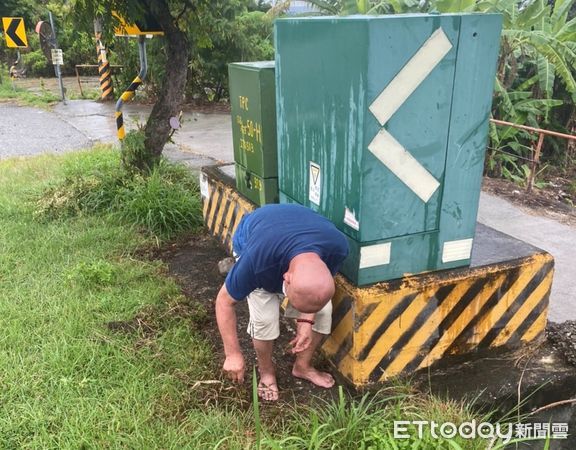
14,32
387,149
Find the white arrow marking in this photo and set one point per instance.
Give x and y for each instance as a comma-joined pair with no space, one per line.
387,149
391,153
411,76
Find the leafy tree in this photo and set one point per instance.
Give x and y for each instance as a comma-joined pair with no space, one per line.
242,36
30,10
174,16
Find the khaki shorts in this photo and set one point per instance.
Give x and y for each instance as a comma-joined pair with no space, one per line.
264,309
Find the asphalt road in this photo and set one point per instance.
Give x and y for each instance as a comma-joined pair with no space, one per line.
28,131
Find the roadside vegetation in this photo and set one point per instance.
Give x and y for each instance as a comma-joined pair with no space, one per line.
11,92
100,348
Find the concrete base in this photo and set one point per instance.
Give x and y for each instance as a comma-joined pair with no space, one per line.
401,326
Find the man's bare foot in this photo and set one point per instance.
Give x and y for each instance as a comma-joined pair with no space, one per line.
267,387
322,379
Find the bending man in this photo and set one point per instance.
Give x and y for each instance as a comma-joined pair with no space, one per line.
281,250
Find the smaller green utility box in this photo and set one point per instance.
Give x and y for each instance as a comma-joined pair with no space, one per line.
253,107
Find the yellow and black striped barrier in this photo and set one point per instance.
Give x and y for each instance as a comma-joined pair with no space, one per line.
104,72
130,92
223,206
401,326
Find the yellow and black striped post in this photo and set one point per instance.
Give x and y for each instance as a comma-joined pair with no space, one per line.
130,92
401,326
126,96
104,72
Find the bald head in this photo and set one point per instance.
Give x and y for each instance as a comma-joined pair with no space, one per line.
309,284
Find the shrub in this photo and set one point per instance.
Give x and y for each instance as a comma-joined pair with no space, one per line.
163,203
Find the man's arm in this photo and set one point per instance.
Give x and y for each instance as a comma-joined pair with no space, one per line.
226,318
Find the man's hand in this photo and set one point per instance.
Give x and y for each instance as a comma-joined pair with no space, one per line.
303,337
226,318
234,367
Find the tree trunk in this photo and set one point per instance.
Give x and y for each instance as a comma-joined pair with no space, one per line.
157,130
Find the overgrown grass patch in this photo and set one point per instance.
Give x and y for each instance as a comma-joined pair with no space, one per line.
11,91
67,378
163,203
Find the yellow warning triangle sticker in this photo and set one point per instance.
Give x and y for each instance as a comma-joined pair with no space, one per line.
315,172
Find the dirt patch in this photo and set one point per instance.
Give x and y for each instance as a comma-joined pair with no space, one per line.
194,264
562,336
555,201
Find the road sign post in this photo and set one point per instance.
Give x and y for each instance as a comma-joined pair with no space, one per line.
57,63
57,56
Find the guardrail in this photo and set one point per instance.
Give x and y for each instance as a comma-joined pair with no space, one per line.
77,66
537,149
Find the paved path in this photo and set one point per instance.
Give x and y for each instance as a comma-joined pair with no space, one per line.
207,138
557,239
203,138
27,131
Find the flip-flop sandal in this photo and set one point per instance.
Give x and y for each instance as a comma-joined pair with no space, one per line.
263,389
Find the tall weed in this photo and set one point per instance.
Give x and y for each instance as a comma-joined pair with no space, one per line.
164,203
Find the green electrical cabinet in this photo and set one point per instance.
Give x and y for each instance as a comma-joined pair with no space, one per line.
253,108
382,128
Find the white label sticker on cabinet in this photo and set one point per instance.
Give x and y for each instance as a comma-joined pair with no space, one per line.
457,250
350,219
375,255
315,180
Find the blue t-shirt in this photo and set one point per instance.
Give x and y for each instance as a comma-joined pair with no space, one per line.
267,239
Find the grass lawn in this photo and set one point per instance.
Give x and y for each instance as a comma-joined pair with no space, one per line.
71,377
66,379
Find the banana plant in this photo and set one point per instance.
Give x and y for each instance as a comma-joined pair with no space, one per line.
539,35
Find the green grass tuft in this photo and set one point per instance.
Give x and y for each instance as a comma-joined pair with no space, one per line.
164,203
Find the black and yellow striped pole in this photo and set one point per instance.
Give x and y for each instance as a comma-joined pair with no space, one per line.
104,72
130,92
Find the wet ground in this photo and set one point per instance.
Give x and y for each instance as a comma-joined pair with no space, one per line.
28,131
562,336
554,202
194,264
